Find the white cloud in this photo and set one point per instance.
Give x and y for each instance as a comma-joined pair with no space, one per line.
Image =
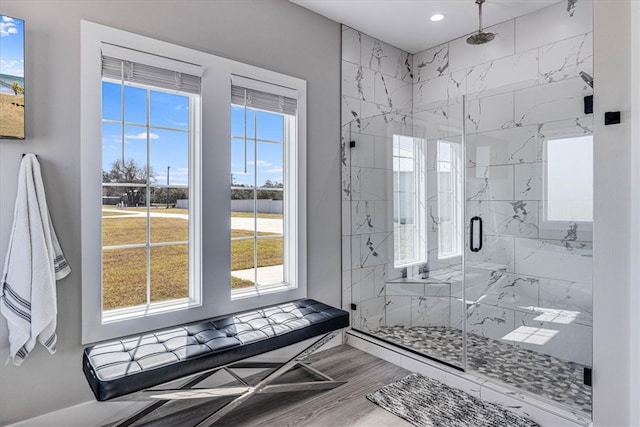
277,169
142,135
7,27
260,163
7,18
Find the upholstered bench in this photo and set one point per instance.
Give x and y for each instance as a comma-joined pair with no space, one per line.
196,351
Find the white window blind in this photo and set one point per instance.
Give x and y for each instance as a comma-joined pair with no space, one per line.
146,69
263,96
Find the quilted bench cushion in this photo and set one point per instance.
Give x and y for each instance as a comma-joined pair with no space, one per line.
125,366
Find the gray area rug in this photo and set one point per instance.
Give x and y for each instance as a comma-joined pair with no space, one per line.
426,402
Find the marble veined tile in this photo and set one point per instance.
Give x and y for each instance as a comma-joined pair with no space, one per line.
350,45
490,183
375,184
570,261
573,300
350,114
463,55
368,282
527,184
506,218
431,63
398,310
545,333
550,24
357,82
384,58
382,121
551,102
495,249
439,91
566,58
490,113
393,93
515,71
490,321
514,291
372,313
429,311
375,249
504,146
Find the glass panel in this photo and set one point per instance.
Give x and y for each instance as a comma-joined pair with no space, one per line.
111,101
238,121
269,210
528,288
135,105
169,215
112,149
169,110
270,260
169,272
169,157
122,225
242,258
270,126
242,171
404,292
124,278
269,165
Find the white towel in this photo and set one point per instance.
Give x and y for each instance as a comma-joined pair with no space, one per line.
33,264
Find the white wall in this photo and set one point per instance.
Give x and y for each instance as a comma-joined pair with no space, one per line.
273,34
614,310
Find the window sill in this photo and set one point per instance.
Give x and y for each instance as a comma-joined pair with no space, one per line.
251,292
129,313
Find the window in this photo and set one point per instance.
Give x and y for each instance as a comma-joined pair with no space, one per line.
263,146
569,179
150,248
156,160
449,169
409,201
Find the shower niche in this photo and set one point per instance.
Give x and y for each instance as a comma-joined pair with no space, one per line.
467,201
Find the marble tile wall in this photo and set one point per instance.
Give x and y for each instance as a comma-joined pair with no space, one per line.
377,102
522,90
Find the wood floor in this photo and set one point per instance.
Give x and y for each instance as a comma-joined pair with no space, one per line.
345,405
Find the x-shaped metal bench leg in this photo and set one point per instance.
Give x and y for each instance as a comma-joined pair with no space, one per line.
243,392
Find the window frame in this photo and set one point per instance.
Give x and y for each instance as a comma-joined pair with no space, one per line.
419,172
560,224
194,231
215,133
456,193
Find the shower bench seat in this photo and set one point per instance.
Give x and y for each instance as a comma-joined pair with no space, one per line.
126,369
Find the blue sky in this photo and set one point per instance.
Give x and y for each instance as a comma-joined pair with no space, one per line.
170,147
11,46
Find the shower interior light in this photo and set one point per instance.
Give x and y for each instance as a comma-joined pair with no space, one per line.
437,17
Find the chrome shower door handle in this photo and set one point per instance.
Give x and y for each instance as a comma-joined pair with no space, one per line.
472,245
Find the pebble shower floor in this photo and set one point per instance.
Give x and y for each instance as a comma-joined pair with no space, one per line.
543,375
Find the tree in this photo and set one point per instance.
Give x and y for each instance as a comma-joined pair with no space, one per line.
128,172
17,89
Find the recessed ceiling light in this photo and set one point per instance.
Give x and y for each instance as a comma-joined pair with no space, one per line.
437,17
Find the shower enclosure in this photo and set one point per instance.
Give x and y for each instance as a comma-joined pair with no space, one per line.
467,201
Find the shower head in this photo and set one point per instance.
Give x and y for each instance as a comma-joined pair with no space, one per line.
587,78
480,37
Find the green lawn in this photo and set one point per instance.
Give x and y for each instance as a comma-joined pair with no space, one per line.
124,271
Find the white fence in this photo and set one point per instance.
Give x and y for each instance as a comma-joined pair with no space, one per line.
264,206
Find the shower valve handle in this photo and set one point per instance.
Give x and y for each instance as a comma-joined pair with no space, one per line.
472,246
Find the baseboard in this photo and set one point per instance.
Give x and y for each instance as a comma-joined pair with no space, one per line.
544,413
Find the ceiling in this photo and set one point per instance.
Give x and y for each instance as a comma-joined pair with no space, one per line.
405,23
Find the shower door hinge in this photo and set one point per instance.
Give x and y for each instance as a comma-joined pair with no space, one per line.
354,307
587,376
352,144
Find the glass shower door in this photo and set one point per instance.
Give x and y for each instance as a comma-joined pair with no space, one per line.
528,239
